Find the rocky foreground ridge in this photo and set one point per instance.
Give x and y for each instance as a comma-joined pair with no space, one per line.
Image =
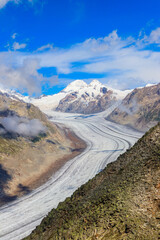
122,202
140,109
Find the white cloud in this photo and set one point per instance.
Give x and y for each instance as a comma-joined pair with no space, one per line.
152,38
121,60
22,126
3,3
89,50
17,46
14,35
155,36
124,62
45,47
24,78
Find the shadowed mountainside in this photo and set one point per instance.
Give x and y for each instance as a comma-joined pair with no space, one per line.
27,161
140,109
122,202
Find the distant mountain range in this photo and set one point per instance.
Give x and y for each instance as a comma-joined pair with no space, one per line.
138,108
80,97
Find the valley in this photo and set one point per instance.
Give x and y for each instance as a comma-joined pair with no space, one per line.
105,142
79,120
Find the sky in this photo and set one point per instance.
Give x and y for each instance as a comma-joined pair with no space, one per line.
46,44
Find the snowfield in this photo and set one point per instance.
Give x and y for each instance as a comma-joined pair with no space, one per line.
105,142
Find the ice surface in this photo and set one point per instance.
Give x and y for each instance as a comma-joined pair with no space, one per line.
105,142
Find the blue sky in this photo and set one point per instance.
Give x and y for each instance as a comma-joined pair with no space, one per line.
46,44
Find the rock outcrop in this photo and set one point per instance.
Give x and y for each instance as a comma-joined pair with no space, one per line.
121,202
140,109
88,99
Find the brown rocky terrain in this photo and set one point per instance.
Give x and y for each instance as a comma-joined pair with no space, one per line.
85,104
26,161
122,202
140,109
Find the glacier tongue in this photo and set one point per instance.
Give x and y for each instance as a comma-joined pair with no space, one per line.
105,142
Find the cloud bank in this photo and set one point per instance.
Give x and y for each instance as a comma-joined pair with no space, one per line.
24,77
123,62
22,126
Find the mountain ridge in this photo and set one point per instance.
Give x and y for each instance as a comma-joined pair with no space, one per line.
31,147
140,109
81,97
121,202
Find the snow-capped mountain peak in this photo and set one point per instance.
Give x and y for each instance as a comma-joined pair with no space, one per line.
75,86
78,96
95,83
88,98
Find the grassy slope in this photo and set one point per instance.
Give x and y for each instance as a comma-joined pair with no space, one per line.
121,202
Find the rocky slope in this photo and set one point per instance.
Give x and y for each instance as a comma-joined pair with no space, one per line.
139,109
121,202
31,147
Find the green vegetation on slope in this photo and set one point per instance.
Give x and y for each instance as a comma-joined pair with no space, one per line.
122,202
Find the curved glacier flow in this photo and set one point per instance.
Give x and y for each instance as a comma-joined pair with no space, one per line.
105,142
